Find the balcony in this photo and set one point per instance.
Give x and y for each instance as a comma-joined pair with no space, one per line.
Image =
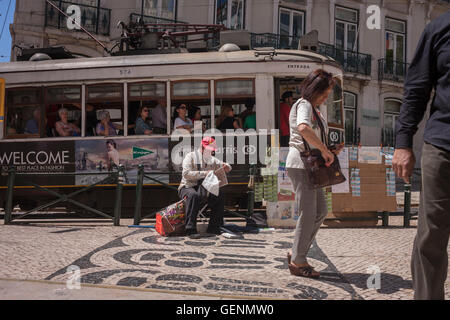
134,17
392,70
351,61
272,40
388,137
94,19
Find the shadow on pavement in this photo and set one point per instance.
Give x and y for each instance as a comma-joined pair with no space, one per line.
389,283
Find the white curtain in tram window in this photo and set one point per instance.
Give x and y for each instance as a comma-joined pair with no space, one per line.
222,12
237,14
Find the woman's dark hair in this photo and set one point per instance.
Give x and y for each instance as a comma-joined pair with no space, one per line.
175,112
192,111
111,142
315,84
140,112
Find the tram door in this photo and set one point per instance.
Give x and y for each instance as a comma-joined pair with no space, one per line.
283,86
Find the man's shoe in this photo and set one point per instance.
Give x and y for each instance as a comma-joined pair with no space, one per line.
191,231
214,230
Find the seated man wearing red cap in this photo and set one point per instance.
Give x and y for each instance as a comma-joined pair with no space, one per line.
196,166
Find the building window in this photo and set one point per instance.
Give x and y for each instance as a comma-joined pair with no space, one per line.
160,8
350,118
346,28
291,27
230,13
395,39
391,112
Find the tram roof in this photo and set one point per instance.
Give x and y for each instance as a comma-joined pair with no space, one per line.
166,59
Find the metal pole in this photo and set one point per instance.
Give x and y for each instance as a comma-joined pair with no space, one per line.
407,206
138,203
251,192
9,195
118,204
385,219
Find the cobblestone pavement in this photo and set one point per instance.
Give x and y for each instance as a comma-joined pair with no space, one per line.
252,267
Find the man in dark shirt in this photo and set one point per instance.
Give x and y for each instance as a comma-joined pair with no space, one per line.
430,69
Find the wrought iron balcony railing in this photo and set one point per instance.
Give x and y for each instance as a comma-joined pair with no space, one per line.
392,70
351,61
134,17
277,41
388,137
94,19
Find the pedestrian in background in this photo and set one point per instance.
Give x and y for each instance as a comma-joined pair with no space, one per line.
285,109
315,90
429,69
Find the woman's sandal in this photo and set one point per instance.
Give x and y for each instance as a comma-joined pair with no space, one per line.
307,271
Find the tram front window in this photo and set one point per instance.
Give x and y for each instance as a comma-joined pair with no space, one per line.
23,113
104,110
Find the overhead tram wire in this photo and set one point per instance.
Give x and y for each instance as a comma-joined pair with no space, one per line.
6,17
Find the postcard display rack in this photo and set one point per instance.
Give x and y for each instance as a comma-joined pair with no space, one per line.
369,189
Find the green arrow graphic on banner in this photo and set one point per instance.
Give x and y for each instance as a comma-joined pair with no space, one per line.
139,152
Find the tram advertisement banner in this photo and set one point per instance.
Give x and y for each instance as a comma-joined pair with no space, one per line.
100,156
38,157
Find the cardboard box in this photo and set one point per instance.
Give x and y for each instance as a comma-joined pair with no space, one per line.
367,219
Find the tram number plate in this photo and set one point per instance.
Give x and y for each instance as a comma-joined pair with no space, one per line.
125,72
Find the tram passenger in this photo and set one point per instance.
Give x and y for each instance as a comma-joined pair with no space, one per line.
248,116
285,109
195,114
105,127
181,119
159,117
91,118
196,166
142,122
63,127
32,125
227,120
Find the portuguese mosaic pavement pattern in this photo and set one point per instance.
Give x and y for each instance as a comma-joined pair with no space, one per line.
253,267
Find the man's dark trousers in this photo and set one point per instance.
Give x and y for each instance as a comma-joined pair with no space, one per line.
429,261
196,198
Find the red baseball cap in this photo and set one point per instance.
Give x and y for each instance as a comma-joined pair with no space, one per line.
209,143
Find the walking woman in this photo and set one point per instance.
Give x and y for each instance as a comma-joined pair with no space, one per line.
311,202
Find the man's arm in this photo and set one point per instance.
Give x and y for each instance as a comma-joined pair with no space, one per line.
189,170
418,85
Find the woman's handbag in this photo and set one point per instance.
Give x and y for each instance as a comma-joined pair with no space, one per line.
318,174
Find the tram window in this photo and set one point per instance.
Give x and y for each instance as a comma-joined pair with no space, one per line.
194,97
58,100
104,110
147,108
334,106
23,109
235,104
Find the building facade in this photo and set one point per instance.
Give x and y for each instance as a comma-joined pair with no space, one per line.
373,40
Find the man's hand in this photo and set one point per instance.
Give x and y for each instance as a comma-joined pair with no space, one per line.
403,163
226,168
338,149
